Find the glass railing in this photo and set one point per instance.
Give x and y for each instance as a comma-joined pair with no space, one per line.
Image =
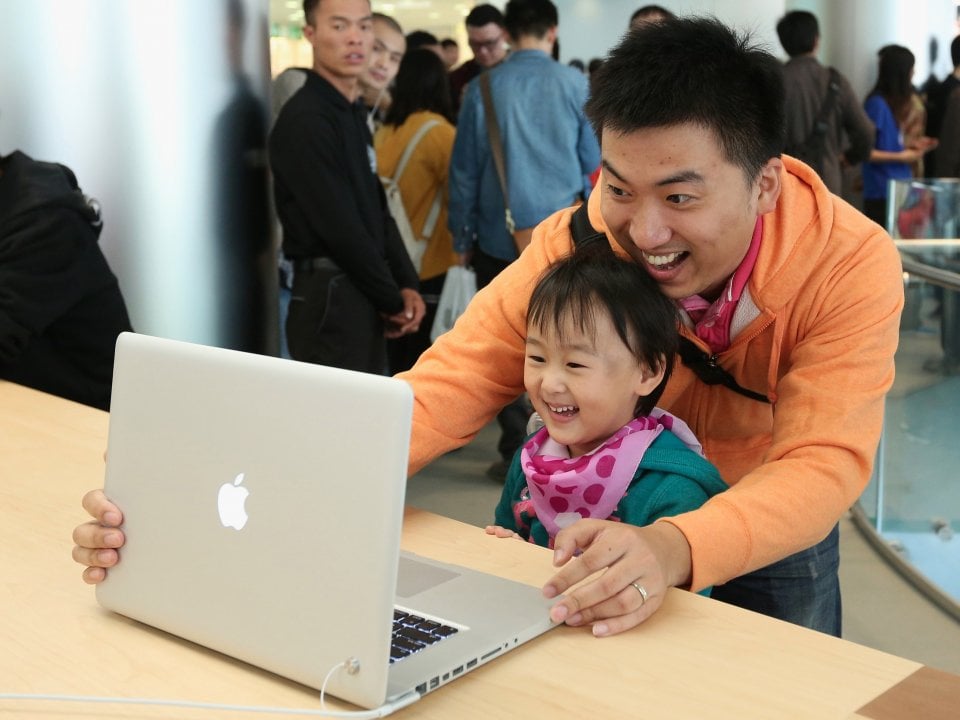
911,509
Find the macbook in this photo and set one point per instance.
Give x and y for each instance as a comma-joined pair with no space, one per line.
263,501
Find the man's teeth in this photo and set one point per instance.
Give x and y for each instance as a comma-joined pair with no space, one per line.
661,259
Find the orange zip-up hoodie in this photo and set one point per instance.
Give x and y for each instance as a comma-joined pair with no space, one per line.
821,329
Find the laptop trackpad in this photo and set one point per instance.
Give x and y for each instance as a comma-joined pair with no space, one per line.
414,577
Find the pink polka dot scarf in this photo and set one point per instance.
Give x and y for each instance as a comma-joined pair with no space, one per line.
564,489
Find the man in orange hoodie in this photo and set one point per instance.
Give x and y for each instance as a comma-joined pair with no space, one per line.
790,301
783,285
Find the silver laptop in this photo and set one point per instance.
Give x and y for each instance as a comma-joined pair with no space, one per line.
263,501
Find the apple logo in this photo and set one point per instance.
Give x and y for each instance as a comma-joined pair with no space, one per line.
230,504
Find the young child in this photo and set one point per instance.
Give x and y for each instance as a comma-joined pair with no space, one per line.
601,339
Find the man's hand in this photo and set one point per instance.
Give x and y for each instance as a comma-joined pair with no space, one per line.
638,563
98,541
407,320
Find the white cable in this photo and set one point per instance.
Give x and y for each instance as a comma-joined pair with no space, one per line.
379,712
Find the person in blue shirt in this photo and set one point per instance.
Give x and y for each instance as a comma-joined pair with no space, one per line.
549,151
888,106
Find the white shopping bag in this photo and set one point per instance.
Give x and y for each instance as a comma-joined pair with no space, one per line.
459,287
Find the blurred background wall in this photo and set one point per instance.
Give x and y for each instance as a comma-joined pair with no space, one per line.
160,109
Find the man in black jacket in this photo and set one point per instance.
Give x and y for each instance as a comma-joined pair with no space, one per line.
60,305
353,283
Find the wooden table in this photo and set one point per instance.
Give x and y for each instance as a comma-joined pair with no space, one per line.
696,658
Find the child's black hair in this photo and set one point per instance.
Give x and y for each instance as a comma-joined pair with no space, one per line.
594,280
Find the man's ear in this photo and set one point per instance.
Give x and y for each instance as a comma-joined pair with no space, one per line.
768,186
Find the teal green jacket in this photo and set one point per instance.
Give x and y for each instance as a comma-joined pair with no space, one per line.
671,479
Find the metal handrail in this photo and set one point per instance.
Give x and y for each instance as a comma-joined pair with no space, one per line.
915,268
872,530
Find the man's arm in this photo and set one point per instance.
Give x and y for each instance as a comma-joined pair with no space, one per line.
856,124
588,148
948,154
831,380
474,370
465,169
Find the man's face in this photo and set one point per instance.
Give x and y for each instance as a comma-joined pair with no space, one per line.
388,49
342,38
681,209
487,43
451,55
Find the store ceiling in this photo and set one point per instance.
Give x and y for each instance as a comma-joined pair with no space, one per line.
437,16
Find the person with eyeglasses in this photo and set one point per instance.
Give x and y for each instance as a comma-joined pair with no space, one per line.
488,42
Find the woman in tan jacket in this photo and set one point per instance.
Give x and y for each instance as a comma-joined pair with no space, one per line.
421,96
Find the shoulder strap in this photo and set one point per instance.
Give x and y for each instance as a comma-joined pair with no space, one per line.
833,89
411,146
496,145
704,366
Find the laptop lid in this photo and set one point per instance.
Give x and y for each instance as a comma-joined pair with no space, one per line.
263,504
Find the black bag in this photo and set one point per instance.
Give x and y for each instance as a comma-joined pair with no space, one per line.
811,150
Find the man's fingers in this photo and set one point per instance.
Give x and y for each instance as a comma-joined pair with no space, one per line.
97,505
94,535
95,557
597,554
94,575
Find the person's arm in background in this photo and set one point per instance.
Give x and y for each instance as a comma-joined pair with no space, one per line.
857,126
588,148
948,154
886,127
408,319
464,174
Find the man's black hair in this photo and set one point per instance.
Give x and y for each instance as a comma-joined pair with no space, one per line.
420,38
484,15
449,43
593,282
798,32
693,71
389,20
650,11
308,7
955,51
529,17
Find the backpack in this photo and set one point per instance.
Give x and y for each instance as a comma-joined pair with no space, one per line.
811,150
415,244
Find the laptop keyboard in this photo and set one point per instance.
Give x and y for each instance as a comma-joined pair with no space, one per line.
412,633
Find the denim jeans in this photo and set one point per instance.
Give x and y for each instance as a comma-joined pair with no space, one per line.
803,589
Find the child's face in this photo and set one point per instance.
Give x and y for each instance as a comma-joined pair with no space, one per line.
585,388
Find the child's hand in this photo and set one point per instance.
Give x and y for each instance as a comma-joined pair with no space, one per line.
501,532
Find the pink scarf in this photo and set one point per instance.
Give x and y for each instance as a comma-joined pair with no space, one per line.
564,489
712,321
